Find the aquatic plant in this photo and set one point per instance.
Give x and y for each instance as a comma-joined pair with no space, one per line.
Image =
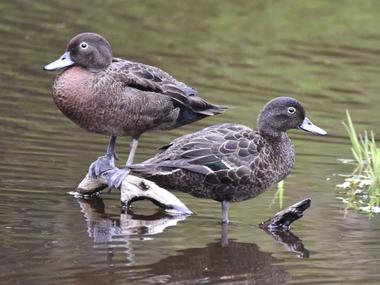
279,195
362,187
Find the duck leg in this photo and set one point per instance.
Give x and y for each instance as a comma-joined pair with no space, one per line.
224,235
132,152
115,179
105,162
225,208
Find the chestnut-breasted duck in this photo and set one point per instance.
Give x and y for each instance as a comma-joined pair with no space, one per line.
229,162
118,97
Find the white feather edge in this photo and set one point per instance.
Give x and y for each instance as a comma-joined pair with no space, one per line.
166,172
227,164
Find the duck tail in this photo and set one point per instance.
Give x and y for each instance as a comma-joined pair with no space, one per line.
214,110
201,106
195,110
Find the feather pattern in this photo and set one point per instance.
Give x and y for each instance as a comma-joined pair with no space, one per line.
238,163
149,78
119,97
228,162
128,98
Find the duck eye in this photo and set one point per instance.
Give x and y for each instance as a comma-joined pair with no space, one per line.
291,110
83,45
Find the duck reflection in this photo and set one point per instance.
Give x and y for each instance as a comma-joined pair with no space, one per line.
104,228
223,262
237,263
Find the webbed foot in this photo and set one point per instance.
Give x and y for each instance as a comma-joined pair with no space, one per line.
102,164
116,177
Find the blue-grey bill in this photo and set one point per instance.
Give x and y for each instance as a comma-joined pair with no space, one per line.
64,61
308,126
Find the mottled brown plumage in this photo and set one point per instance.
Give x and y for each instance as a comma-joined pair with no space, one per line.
117,97
96,103
222,162
228,162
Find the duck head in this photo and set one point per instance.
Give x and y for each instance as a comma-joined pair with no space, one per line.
88,50
282,114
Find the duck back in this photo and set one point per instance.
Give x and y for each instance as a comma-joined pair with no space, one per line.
223,162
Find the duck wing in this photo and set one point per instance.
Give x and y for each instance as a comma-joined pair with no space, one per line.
149,78
219,148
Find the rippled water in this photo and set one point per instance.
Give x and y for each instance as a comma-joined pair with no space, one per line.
325,53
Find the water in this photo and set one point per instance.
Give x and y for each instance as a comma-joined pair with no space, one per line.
325,53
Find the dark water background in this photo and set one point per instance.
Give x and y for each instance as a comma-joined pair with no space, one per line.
236,53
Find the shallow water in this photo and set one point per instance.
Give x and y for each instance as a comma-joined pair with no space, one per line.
324,53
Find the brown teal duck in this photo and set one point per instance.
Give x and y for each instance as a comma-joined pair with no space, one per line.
229,162
118,97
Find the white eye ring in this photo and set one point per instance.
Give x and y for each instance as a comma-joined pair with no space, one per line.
83,45
291,110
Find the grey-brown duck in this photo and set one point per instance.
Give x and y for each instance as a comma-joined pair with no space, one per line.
229,162
117,97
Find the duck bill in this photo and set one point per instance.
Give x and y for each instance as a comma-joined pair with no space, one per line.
308,126
64,61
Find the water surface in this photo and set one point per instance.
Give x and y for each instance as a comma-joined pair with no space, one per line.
324,53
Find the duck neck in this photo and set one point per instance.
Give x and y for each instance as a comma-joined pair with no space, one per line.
283,147
280,140
272,135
